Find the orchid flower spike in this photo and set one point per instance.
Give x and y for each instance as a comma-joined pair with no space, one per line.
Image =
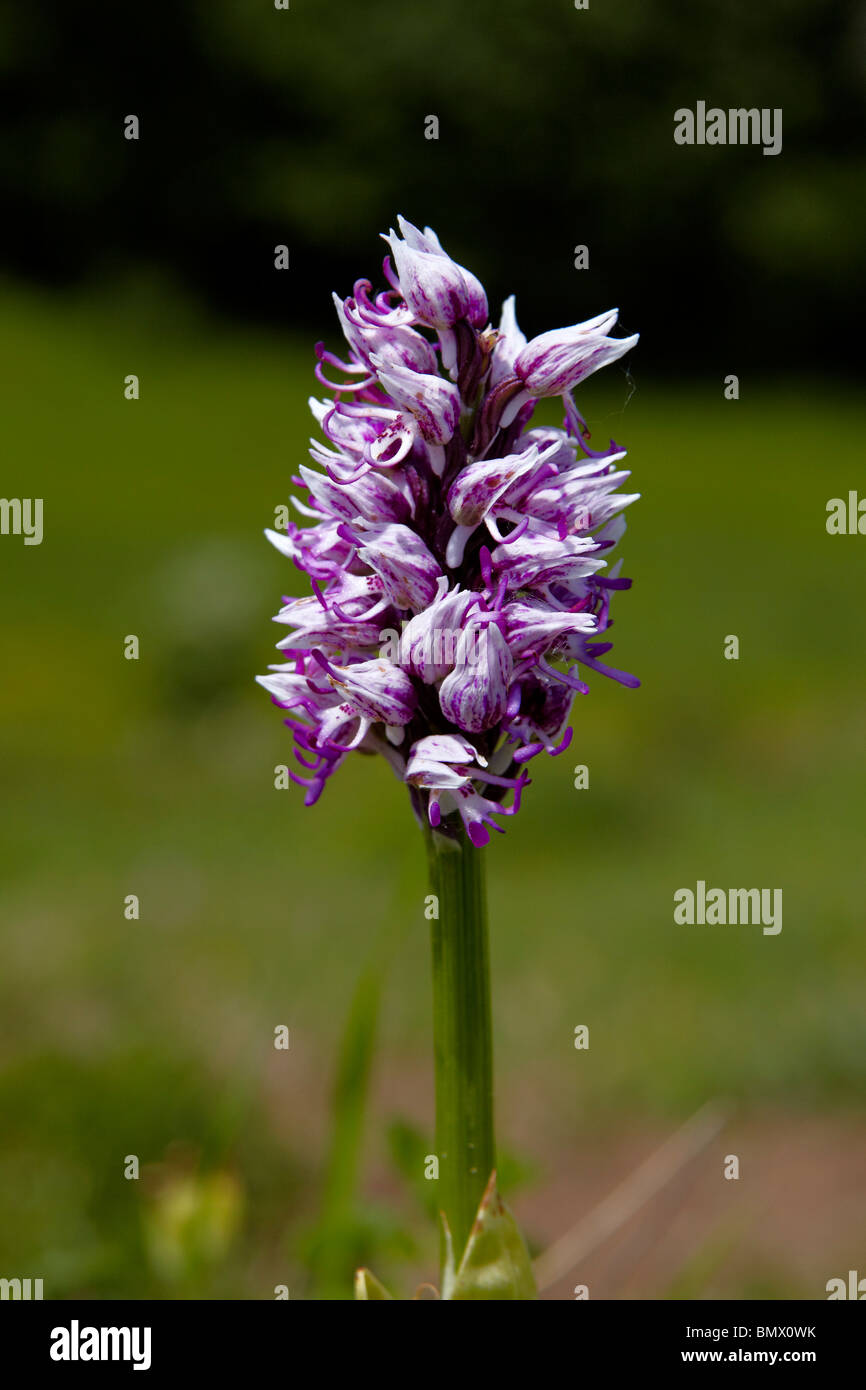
457,556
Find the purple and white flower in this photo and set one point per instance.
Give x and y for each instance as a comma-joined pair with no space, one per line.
558,360
439,513
437,290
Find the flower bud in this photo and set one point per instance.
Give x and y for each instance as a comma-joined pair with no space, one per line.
438,290
556,361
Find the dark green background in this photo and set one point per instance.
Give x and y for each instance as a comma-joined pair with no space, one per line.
306,127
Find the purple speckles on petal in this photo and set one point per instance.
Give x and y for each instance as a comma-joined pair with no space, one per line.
474,695
408,571
438,291
457,555
556,361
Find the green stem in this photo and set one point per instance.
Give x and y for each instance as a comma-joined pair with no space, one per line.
462,1033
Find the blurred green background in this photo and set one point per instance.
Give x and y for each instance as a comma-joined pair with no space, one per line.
156,777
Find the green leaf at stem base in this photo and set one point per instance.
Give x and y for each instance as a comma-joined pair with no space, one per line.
368,1288
495,1263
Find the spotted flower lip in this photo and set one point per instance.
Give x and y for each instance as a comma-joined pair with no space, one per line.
479,486
457,555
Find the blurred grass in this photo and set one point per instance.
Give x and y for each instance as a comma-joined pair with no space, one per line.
156,778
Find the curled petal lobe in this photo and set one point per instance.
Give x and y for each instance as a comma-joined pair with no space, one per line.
442,762
394,344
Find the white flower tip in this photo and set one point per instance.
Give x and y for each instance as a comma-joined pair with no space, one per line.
431,236
270,683
508,317
410,233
